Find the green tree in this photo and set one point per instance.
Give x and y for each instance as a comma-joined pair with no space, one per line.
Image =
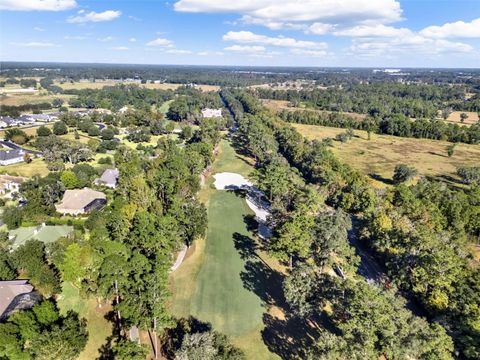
43,131
60,128
69,179
129,350
451,149
403,173
12,216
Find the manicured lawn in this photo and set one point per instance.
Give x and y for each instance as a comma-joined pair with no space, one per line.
221,297
98,327
36,167
223,281
380,154
165,106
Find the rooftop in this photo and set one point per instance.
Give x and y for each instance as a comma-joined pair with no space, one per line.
79,198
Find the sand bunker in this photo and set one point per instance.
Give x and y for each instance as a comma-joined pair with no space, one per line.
231,181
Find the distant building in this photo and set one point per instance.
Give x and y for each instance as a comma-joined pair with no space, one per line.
16,295
6,121
44,117
8,157
109,178
10,185
212,113
82,201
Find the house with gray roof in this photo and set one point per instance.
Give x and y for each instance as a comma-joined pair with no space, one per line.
8,157
109,178
16,295
81,201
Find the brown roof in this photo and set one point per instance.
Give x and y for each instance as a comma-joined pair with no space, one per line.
79,199
9,290
10,178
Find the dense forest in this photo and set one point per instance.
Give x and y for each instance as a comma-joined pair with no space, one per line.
423,235
414,100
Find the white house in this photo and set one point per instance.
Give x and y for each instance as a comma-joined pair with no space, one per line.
8,157
109,178
10,185
211,113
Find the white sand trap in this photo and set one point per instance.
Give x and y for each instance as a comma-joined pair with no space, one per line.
230,181
233,181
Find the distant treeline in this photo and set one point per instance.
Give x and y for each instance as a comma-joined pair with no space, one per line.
415,101
238,75
396,125
118,96
15,111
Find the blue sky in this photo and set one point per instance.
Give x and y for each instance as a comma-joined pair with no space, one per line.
389,33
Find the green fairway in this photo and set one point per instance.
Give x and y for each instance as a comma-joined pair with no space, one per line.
220,297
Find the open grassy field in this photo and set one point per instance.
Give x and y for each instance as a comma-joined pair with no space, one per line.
98,84
380,154
16,99
36,167
98,327
223,279
472,118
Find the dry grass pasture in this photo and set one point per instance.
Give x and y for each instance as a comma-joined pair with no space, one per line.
98,84
471,119
379,155
37,97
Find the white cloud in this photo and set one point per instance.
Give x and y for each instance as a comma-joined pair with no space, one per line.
203,53
74,37
105,39
119,48
160,42
459,29
36,28
414,44
247,37
35,44
132,39
245,49
373,31
38,5
93,16
178,52
310,53
276,13
320,28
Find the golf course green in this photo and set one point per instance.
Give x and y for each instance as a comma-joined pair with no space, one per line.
220,297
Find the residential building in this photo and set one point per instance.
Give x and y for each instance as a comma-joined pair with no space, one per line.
81,201
109,178
10,185
8,157
211,113
44,233
16,295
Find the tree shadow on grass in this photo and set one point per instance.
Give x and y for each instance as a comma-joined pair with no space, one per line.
285,335
380,178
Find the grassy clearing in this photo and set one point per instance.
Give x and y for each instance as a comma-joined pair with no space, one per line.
98,84
472,118
380,154
165,107
99,329
216,281
31,98
36,167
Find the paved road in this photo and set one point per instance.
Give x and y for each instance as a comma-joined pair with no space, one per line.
369,267
14,146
